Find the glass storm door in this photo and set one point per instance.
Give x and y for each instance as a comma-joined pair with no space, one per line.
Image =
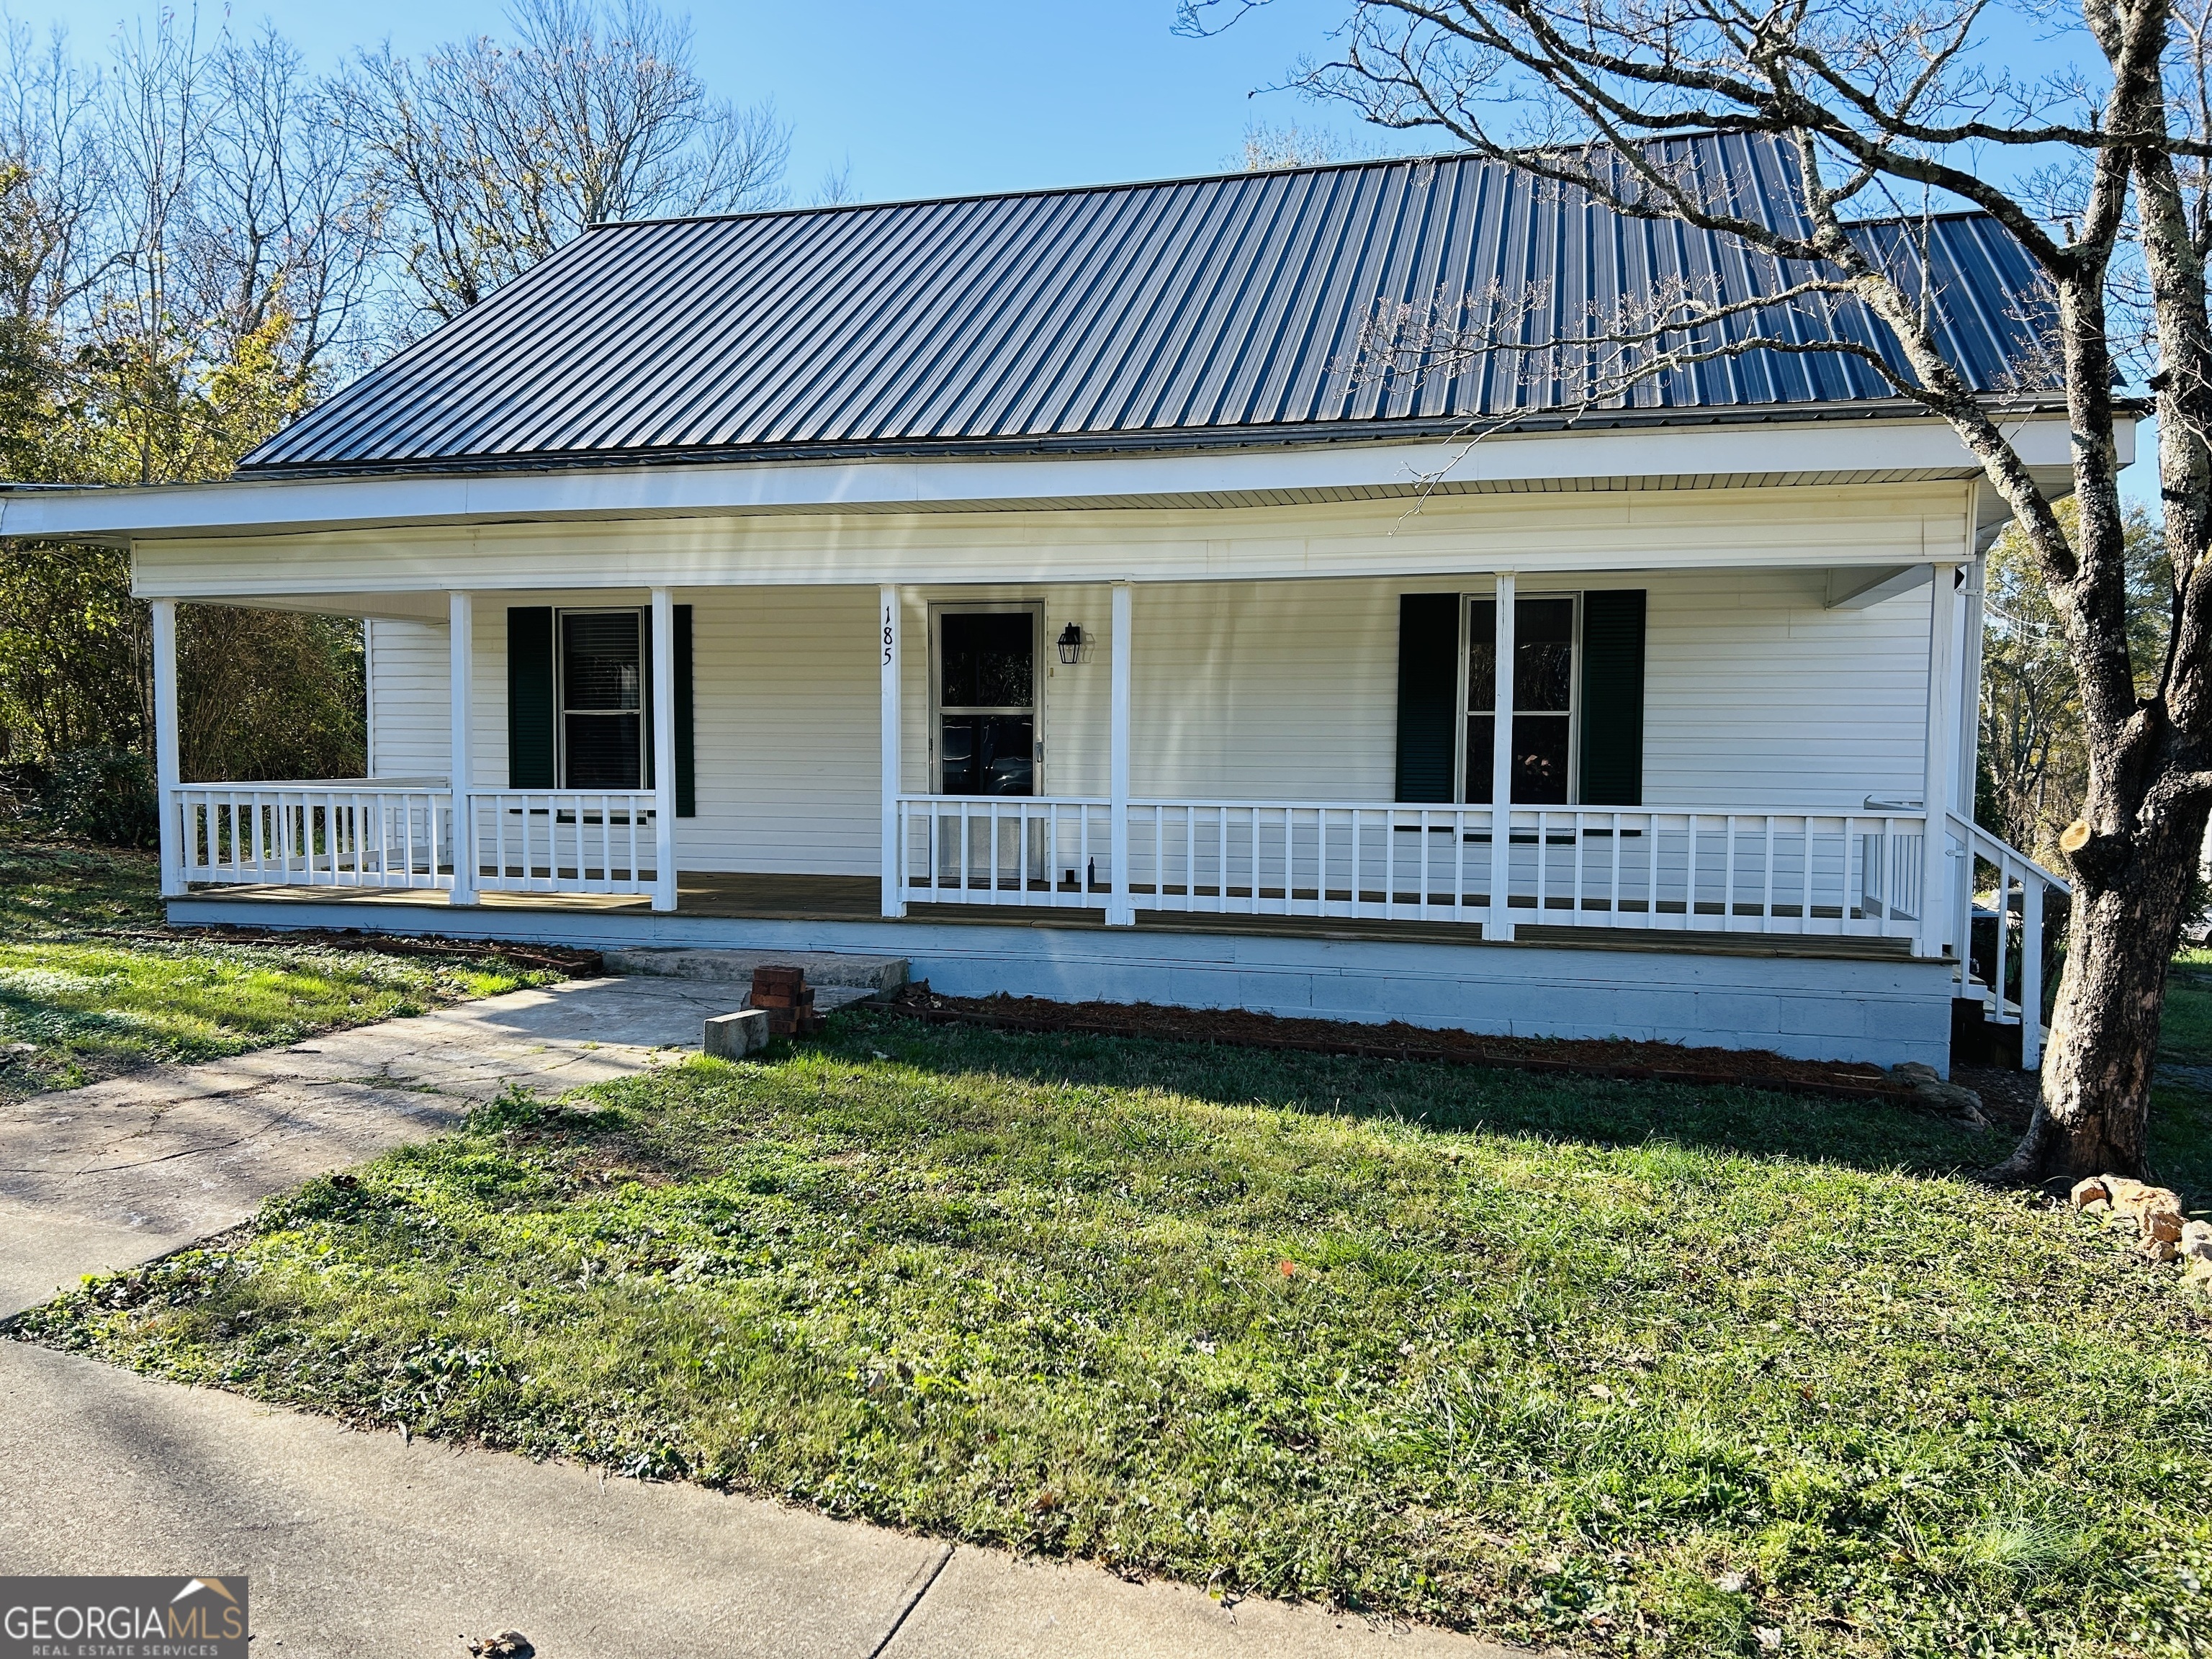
1543,699
987,702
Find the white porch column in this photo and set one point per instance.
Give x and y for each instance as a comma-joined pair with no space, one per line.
1966,756
167,773
1500,924
889,602
461,628
663,750
1936,782
1120,909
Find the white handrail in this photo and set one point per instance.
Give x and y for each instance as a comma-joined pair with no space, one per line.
333,833
2013,867
1026,851
1818,872
562,841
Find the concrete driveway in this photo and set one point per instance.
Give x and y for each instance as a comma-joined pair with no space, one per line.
358,1543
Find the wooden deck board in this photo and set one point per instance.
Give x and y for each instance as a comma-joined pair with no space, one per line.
731,895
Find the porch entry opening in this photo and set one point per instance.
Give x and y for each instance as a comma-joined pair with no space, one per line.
1542,724
987,701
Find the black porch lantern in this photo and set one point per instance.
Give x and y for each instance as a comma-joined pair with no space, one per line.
1071,644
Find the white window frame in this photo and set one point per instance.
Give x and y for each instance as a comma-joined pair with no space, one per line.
1466,603
561,615
1040,643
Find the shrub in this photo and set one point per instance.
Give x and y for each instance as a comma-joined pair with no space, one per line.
106,795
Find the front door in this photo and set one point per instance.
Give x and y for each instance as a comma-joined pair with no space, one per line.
987,701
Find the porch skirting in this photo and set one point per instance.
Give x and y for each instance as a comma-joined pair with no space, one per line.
1805,1006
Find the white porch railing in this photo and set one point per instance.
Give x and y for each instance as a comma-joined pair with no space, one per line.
344,832
400,833
1680,869
562,841
2020,880
1647,867
1036,851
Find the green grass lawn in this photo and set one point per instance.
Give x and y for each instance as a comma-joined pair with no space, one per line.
1624,1367
2181,1115
91,984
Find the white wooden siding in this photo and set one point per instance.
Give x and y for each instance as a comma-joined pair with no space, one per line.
1755,695
410,701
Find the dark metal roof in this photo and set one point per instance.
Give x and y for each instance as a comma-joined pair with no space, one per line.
1198,310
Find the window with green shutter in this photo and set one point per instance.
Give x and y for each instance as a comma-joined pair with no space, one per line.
1577,716
1428,695
577,701
1612,736
531,748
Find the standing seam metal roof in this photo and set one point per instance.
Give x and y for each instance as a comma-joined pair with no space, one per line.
1152,312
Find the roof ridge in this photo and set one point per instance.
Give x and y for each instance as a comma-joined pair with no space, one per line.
1035,190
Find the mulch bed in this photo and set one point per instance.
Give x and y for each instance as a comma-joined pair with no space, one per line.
553,958
2008,1094
1651,1062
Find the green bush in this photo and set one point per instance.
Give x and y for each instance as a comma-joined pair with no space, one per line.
106,795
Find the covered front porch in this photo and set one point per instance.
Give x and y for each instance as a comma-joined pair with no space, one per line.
1103,822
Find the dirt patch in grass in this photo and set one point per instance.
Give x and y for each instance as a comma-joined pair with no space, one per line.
1616,1058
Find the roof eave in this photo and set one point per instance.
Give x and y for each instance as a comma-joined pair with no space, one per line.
1168,441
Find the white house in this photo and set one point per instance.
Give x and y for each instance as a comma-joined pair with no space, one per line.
1033,586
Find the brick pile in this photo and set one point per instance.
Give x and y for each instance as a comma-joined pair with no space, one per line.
787,999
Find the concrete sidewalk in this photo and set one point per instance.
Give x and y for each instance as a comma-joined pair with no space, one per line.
357,1543
121,1172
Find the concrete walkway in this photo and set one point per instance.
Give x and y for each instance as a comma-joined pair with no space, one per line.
120,1171
359,1543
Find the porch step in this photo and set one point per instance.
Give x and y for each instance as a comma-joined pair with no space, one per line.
827,970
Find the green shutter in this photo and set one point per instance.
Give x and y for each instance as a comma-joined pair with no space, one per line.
1613,698
1428,694
530,697
687,794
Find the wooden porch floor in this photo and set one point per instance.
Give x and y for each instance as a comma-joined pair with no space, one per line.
730,896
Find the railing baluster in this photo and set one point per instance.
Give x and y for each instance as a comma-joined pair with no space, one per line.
2004,929
1728,874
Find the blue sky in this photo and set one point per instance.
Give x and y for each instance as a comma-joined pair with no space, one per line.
943,97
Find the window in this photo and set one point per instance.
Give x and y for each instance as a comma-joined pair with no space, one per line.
602,701
986,701
1545,643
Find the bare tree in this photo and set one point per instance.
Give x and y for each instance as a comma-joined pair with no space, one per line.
286,225
1889,109
491,155
2035,757
1268,147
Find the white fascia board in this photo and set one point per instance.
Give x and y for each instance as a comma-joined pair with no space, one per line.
1735,451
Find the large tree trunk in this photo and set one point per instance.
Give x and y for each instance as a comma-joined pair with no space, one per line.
2126,921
